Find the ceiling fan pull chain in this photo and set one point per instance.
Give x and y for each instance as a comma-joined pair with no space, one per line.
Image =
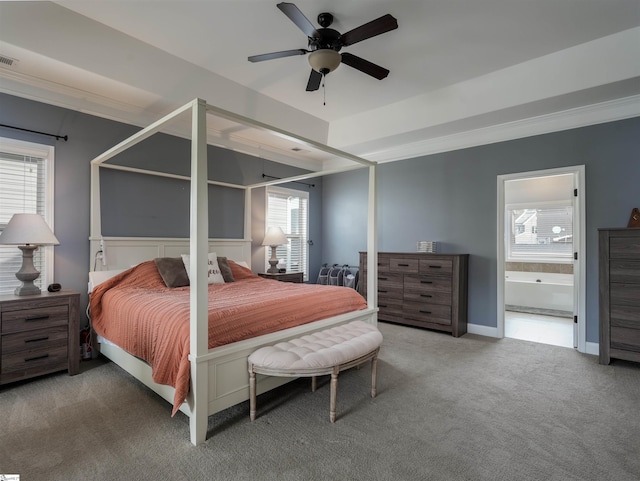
324,90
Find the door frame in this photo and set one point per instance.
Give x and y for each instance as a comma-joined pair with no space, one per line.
579,266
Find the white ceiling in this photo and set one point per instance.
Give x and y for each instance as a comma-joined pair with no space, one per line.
463,72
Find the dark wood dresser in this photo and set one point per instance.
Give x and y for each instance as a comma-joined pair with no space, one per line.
39,335
420,289
619,266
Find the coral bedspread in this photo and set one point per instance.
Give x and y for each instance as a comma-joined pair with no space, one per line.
136,311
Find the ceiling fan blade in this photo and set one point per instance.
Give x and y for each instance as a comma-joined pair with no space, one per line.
297,17
269,56
375,27
314,81
364,66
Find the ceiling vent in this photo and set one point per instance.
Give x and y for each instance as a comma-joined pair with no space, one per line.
4,60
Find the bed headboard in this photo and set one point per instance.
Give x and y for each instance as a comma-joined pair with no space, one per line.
124,252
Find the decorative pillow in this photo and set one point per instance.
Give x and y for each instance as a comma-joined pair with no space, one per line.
240,272
225,269
172,271
214,276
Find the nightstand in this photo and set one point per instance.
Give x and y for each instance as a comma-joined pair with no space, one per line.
39,335
296,277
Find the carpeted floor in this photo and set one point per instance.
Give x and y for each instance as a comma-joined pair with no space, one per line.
472,408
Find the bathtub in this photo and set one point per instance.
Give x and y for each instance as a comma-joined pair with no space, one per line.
539,292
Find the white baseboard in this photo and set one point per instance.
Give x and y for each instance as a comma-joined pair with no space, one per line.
592,348
482,330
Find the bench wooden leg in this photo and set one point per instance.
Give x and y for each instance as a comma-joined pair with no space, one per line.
374,375
252,395
314,383
334,394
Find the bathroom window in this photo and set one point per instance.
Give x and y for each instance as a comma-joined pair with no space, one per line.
540,233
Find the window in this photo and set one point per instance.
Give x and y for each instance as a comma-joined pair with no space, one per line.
26,186
541,232
289,210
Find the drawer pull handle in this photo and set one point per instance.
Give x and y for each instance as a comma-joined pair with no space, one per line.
403,265
426,282
37,318
382,279
435,267
426,295
37,339
425,312
44,356
380,290
382,305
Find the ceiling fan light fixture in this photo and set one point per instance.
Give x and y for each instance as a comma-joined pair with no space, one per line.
324,60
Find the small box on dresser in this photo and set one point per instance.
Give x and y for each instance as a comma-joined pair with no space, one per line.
39,335
619,293
421,289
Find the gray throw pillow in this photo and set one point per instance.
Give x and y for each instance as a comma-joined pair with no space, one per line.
172,271
225,270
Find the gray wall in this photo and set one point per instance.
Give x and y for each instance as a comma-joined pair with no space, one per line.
451,198
135,204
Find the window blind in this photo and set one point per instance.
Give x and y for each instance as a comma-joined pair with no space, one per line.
22,191
541,233
289,210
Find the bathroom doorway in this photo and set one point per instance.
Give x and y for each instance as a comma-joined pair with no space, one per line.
540,266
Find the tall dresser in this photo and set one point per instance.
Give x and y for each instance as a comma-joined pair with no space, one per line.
619,266
420,289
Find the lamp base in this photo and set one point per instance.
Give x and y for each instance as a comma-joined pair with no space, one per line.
27,289
273,262
27,273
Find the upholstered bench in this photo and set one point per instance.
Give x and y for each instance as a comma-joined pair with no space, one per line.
324,352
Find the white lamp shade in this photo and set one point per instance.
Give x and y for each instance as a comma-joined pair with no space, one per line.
25,229
324,60
274,237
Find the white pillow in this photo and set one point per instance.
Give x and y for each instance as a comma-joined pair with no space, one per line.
214,276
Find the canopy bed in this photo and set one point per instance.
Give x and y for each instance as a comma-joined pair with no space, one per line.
217,374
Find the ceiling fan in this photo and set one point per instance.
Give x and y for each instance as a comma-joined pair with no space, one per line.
325,44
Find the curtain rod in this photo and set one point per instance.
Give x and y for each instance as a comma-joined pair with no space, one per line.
58,137
295,181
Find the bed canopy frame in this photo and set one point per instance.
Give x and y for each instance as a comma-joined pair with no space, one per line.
219,376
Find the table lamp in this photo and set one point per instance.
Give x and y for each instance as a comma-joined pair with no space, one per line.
274,238
27,231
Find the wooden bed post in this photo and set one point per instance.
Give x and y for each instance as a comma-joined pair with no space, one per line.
199,249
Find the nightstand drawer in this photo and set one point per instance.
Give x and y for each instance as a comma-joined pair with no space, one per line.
29,340
24,364
37,318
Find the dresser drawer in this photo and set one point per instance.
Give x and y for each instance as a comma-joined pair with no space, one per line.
389,307
383,264
417,284
621,270
625,295
624,247
425,312
29,340
625,338
443,267
399,264
37,318
390,286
